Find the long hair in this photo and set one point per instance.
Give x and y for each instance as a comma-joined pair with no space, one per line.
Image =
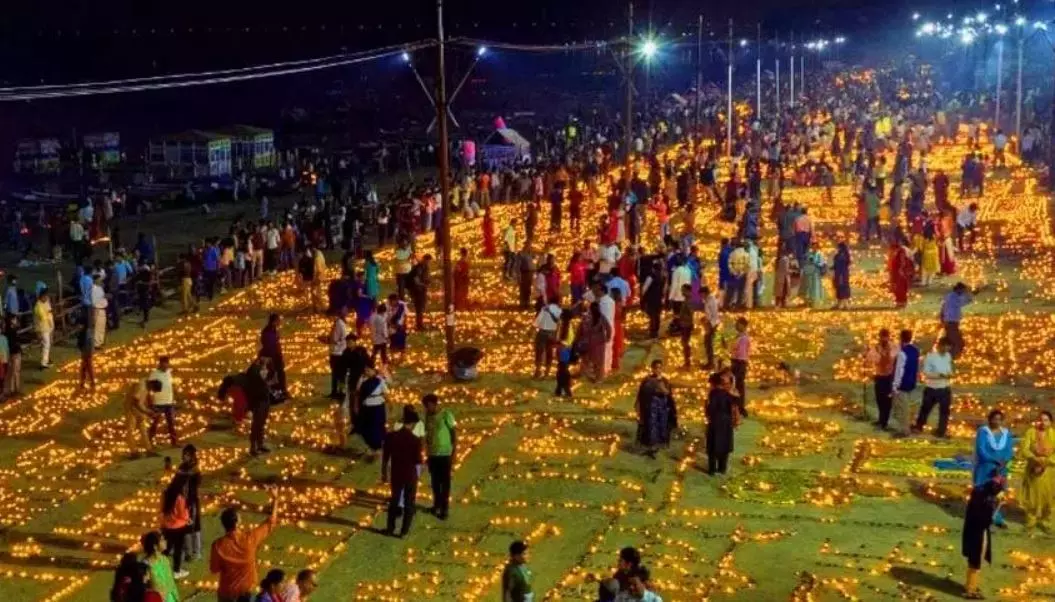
172,492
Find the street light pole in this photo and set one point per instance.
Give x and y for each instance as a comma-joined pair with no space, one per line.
791,100
776,44
729,102
699,72
758,77
802,73
999,79
445,192
629,90
1018,91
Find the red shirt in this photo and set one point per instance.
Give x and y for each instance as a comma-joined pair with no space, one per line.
577,273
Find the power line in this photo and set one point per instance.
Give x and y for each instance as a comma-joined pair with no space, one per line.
185,80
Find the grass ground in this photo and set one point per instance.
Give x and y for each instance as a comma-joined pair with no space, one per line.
817,506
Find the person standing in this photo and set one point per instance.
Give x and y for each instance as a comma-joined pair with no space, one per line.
44,325
901,271
679,277
139,399
882,357
175,518
906,375
402,449
686,324
951,314
13,378
258,400
841,276
379,334
271,348
233,556
99,304
441,441
993,452
606,305
164,400
337,341
461,279
712,320
937,372
652,298
740,355
509,249
724,411
1037,448
982,506
86,346
516,576
657,414
159,567
419,290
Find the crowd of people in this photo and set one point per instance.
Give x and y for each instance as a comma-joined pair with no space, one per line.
638,251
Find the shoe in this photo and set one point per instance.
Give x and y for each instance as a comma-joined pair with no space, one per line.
264,449
181,575
254,453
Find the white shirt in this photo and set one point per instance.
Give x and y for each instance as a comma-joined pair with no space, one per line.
681,276
163,397
338,336
607,306
966,218
934,364
710,311
272,239
98,297
76,232
548,318
379,329
403,257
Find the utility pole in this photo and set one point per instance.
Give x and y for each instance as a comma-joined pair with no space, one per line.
791,98
776,44
999,80
445,191
802,73
758,77
729,100
1018,91
699,72
629,92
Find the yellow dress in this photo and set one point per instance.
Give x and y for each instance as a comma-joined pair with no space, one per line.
1038,490
929,261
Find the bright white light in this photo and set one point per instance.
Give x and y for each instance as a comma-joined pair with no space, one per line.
948,16
997,7
928,28
915,16
481,51
649,48
406,57
966,36
840,40
1001,29
1020,21
743,43
968,20
1040,25
981,17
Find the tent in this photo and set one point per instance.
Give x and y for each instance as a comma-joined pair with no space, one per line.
505,145
193,153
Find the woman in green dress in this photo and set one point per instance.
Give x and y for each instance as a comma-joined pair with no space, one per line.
811,285
159,569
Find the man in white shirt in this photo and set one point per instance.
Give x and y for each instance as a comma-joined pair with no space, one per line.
379,334
711,321
404,263
966,220
272,238
607,306
680,276
937,390
547,324
337,342
610,256
164,400
999,144
99,305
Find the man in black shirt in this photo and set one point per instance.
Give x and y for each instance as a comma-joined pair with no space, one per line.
419,289
403,450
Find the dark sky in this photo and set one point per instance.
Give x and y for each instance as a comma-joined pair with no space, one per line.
68,40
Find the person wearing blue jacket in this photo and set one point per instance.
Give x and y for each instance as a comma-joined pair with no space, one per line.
906,376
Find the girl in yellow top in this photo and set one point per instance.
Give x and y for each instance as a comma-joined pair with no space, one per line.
929,264
1038,480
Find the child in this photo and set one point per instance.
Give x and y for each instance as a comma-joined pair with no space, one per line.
86,344
565,355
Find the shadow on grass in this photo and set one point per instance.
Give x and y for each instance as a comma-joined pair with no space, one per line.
917,578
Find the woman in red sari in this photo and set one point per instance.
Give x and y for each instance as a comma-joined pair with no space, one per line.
461,281
627,267
619,332
489,234
612,227
902,270
552,275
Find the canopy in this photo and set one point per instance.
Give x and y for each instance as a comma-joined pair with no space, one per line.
508,137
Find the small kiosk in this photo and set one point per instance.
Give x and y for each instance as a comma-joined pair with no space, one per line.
192,154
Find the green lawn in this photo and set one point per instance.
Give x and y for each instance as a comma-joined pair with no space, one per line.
817,505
